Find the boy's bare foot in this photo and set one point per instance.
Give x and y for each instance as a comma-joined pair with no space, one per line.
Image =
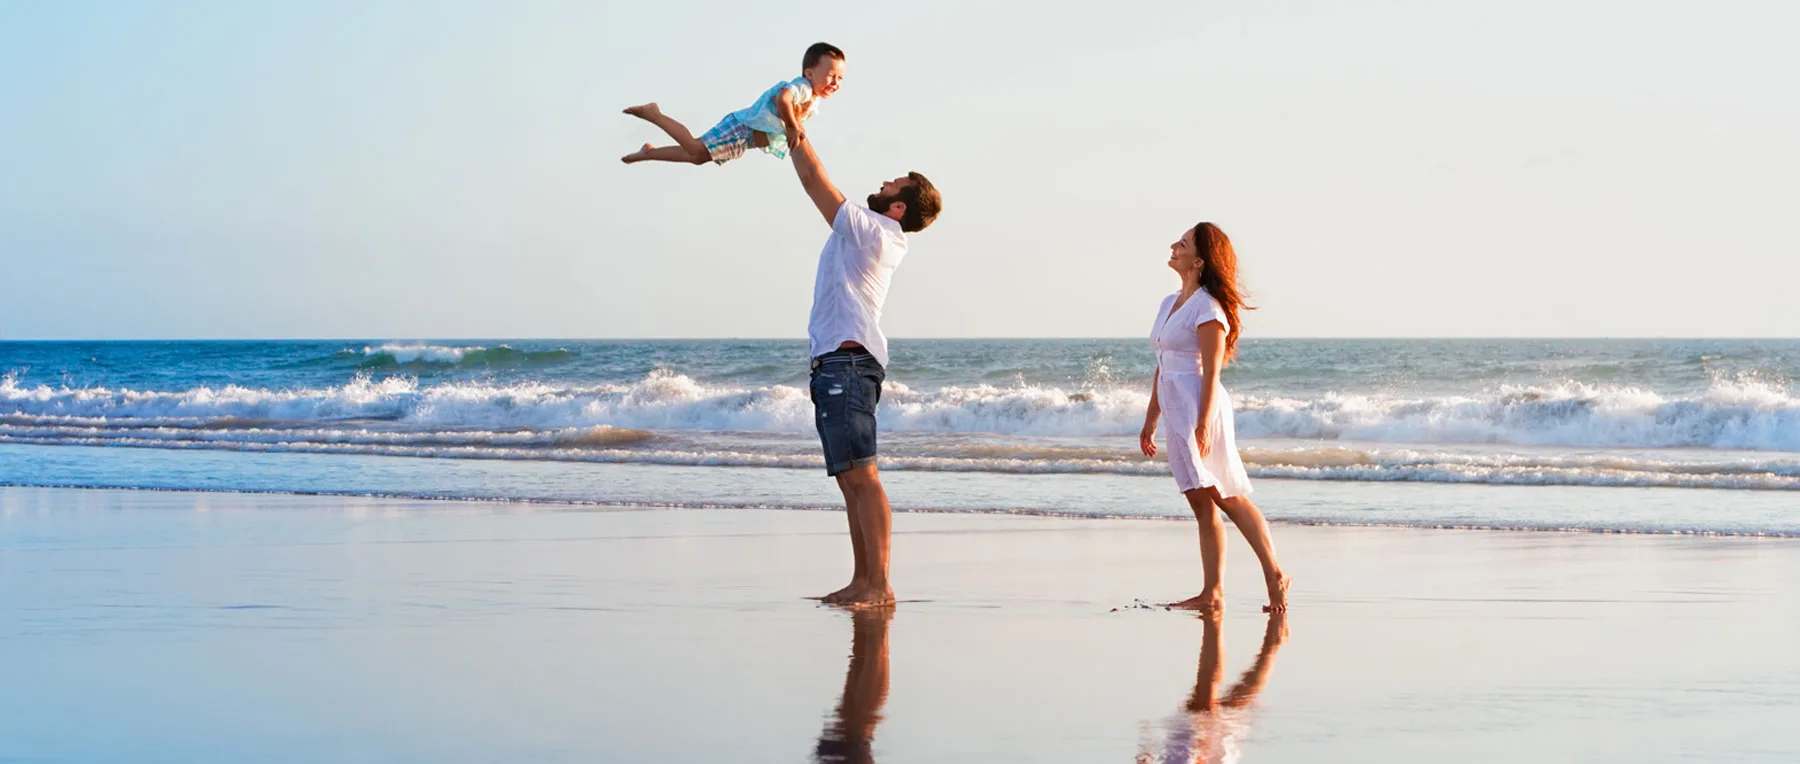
1278,589
637,156
1209,601
648,111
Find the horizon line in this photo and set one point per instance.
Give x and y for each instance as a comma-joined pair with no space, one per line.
420,338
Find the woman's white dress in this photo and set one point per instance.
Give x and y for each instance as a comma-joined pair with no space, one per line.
1178,386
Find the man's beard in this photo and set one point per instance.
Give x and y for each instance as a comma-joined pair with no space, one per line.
880,203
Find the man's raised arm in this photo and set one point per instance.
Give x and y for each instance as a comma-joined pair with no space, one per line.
812,178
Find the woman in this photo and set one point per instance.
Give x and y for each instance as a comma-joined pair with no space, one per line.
1196,333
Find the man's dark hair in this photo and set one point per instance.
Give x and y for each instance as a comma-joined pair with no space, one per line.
820,50
922,204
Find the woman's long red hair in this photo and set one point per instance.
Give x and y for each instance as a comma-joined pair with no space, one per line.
1219,276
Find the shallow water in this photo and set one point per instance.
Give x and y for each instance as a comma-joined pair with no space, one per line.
1640,510
1719,414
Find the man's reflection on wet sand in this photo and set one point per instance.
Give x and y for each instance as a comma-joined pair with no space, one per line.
849,733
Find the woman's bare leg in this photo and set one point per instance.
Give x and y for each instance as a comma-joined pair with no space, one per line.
1249,521
1212,554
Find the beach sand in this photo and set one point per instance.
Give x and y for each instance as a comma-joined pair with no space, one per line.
200,627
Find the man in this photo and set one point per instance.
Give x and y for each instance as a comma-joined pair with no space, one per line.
849,352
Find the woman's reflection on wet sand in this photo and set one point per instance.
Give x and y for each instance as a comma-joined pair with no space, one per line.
1210,727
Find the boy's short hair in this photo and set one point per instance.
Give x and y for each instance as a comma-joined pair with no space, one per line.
922,204
820,50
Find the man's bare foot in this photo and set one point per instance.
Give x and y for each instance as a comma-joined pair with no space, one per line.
868,597
1278,589
860,594
648,111
1210,601
838,596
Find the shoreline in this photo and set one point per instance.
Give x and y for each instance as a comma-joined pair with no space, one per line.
632,505
1775,474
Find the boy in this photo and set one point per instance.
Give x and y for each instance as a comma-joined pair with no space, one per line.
772,123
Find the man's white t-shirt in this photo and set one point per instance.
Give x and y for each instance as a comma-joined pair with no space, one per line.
854,271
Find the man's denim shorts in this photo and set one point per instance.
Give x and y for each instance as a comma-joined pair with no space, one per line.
846,387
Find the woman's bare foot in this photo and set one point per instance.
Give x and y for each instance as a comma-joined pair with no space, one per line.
1209,601
637,156
1278,589
648,111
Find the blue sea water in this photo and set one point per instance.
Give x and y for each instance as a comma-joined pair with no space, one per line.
1016,425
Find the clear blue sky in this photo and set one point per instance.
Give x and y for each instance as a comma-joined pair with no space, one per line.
444,169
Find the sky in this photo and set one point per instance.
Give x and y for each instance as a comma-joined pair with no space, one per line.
450,169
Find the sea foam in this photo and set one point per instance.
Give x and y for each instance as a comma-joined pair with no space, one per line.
1731,414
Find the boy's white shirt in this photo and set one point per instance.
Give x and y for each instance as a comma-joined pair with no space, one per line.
765,117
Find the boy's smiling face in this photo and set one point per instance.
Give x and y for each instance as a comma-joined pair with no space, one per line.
826,76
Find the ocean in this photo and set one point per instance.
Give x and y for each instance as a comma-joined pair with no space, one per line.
1699,436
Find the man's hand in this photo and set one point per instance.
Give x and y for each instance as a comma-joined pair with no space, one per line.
789,114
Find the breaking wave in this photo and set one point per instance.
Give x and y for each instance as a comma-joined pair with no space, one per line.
397,356
1731,414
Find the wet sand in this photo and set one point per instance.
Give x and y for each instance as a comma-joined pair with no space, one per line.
149,626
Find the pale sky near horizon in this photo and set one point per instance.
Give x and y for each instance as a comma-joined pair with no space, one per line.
439,169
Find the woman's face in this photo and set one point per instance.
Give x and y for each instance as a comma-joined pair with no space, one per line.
1184,258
